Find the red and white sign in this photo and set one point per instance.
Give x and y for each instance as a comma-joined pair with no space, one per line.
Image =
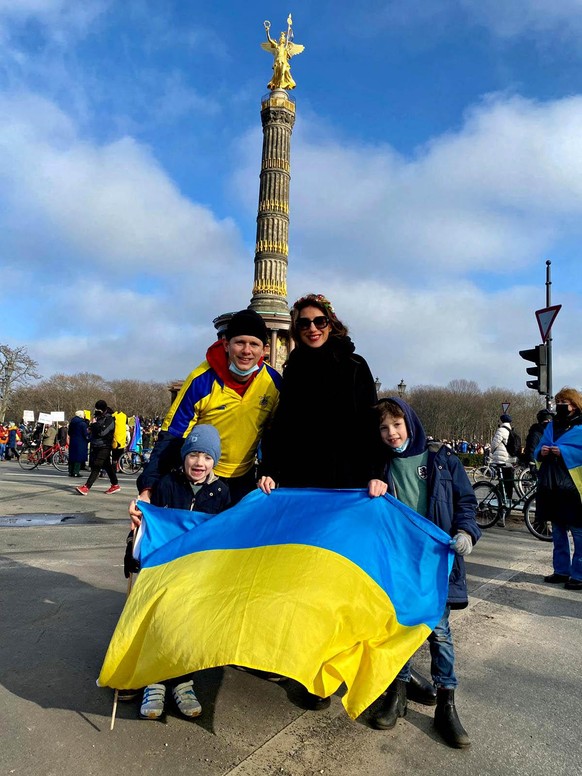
546,318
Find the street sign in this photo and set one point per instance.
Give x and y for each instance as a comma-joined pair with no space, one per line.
546,318
505,405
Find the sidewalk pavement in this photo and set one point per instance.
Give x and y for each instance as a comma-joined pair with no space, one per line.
61,591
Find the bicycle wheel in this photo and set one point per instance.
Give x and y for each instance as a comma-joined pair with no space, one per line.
61,460
30,459
489,503
130,463
541,529
526,483
483,473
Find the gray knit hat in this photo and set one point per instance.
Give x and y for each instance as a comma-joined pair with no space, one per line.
203,439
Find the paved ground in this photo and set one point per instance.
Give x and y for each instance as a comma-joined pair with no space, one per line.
61,591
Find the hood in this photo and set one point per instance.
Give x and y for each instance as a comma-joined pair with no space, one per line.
416,434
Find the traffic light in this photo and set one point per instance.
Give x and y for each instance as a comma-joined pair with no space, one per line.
539,355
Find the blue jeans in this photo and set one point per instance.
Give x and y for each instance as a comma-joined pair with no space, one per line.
442,656
562,562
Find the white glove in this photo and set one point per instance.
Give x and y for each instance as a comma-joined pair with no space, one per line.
462,543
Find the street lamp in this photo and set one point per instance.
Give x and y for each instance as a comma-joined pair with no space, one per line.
378,384
401,388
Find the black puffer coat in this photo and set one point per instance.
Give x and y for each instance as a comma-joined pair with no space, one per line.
174,491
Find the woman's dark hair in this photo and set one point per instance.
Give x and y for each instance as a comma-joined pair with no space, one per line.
338,329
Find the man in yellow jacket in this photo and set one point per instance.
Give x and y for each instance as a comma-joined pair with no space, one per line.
233,390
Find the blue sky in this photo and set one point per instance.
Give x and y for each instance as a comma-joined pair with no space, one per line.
436,165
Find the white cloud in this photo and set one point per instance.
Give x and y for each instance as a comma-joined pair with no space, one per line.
491,196
504,18
401,244
509,19
123,274
110,203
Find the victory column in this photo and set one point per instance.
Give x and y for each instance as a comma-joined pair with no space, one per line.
272,238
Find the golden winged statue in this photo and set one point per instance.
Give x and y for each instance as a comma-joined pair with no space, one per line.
282,50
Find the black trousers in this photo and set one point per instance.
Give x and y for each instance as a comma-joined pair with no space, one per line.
100,458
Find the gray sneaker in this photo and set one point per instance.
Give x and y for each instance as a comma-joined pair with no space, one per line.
186,700
152,705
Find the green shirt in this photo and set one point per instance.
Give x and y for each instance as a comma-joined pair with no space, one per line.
411,481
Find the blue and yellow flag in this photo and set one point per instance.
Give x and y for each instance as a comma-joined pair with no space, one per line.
321,586
570,444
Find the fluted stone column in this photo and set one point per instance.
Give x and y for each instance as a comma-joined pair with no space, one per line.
272,240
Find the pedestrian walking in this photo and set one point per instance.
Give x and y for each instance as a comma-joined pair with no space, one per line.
101,432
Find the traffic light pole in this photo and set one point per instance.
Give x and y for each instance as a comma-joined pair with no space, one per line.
550,394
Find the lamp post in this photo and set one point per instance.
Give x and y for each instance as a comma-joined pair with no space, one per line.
378,384
401,388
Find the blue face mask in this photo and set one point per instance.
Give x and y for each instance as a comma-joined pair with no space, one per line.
402,447
241,372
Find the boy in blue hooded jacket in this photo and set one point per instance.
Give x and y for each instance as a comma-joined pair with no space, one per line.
429,478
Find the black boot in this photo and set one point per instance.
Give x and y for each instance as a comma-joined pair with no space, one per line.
393,706
420,690
314,702
447,722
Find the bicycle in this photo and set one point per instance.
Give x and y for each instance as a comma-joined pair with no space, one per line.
493,503
31,457
131,462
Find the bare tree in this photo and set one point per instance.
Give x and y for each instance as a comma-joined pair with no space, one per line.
69,393
16,368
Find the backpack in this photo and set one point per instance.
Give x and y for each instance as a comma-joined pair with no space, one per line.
513,444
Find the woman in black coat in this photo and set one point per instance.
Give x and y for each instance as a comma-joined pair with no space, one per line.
324,434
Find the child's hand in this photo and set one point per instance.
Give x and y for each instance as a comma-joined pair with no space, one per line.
462,543
135,514
266,484
377,488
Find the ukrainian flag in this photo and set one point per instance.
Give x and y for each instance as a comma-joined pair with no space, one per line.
325,587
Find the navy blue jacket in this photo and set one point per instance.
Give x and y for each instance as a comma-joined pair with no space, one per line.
173,490
451,506
451,502
78,439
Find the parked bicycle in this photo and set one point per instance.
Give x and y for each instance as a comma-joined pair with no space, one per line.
31,457
132,462
493,503
524,476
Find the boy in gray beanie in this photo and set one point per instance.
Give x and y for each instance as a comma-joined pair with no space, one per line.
196,487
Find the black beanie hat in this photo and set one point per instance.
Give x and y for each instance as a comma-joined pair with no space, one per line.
249,323
101,405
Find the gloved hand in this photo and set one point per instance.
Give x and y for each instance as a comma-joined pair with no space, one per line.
462,543
130,564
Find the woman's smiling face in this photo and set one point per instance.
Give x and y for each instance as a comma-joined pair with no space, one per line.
312,336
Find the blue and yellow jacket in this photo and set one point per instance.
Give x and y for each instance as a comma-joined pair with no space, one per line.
240,413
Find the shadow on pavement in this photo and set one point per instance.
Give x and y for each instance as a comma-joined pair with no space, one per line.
55,632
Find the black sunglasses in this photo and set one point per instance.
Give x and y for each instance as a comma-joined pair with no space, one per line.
320,322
